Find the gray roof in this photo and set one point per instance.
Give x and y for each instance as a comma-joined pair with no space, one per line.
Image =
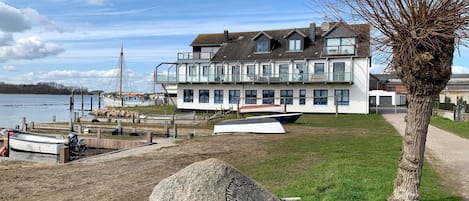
241,47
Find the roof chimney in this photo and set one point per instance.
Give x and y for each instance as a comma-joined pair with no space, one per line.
225,34
312,32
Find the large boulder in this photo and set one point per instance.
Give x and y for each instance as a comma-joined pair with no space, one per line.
210,180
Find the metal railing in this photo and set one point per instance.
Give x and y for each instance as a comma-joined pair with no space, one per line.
255,78
194,55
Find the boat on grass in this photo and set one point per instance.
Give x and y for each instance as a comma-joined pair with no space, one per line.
282,118
44,143
272,108
261,126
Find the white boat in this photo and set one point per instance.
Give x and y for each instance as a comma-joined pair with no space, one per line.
121,99
282,118
44,143
40,143
262,125
275,108
128,100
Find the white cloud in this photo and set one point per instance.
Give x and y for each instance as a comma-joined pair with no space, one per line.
96,2
17,21
37,18
10,68
5,38
29,48
460,70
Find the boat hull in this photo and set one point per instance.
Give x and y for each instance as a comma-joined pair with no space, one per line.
262,126
36,143
282,118
262,108
127,102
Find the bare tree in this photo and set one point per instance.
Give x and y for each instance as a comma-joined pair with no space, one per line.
422,36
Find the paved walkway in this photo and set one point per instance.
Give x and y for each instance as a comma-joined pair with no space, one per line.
447,152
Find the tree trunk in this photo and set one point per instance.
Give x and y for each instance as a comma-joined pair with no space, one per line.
409,172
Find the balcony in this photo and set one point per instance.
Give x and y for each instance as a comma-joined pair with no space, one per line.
331,77
195,55
340,50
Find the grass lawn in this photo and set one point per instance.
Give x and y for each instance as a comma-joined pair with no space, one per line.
351,157
458,128
168,109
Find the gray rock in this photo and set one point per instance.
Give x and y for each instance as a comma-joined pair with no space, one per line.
210,180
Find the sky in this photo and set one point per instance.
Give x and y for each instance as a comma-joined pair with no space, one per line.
77,42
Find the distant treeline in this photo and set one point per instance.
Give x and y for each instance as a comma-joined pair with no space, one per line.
40,88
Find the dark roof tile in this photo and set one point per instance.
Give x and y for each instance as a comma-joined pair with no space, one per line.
240,47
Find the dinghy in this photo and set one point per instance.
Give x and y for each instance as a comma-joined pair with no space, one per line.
44,143
262,108
282,118
262,126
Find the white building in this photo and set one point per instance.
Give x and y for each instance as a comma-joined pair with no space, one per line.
304,68
386,98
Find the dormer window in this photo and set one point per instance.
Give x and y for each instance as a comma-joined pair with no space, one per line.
295,40
340,46
294,45
263,42
262,45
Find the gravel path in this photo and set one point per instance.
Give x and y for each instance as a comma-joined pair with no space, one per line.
447,152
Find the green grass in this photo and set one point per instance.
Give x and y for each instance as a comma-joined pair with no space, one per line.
153,109
351,157
458,128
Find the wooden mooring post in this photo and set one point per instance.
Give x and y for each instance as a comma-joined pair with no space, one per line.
175,128
91,103
6,145
149,137
64,156
166,128
23,124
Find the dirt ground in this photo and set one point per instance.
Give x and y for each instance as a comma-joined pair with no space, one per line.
128,178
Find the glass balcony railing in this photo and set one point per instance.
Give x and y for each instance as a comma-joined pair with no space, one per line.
340,50
195,55
254,78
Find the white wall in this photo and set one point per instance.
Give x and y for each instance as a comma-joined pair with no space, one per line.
397,99
358,89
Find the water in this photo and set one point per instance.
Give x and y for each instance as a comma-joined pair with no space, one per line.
40,108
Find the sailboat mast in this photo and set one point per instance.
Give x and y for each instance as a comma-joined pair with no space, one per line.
121,65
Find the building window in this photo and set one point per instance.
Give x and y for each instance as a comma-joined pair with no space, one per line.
233,96
251,70
192,70
205,71
390,88
300,71
220,73
188,95
266,70
340,46
218,96
286,95
320,97
319,68
302,96
294,45
268,96
250,97
342,96
338,69
203,96
262,45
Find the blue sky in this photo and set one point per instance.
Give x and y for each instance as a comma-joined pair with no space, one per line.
77,42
